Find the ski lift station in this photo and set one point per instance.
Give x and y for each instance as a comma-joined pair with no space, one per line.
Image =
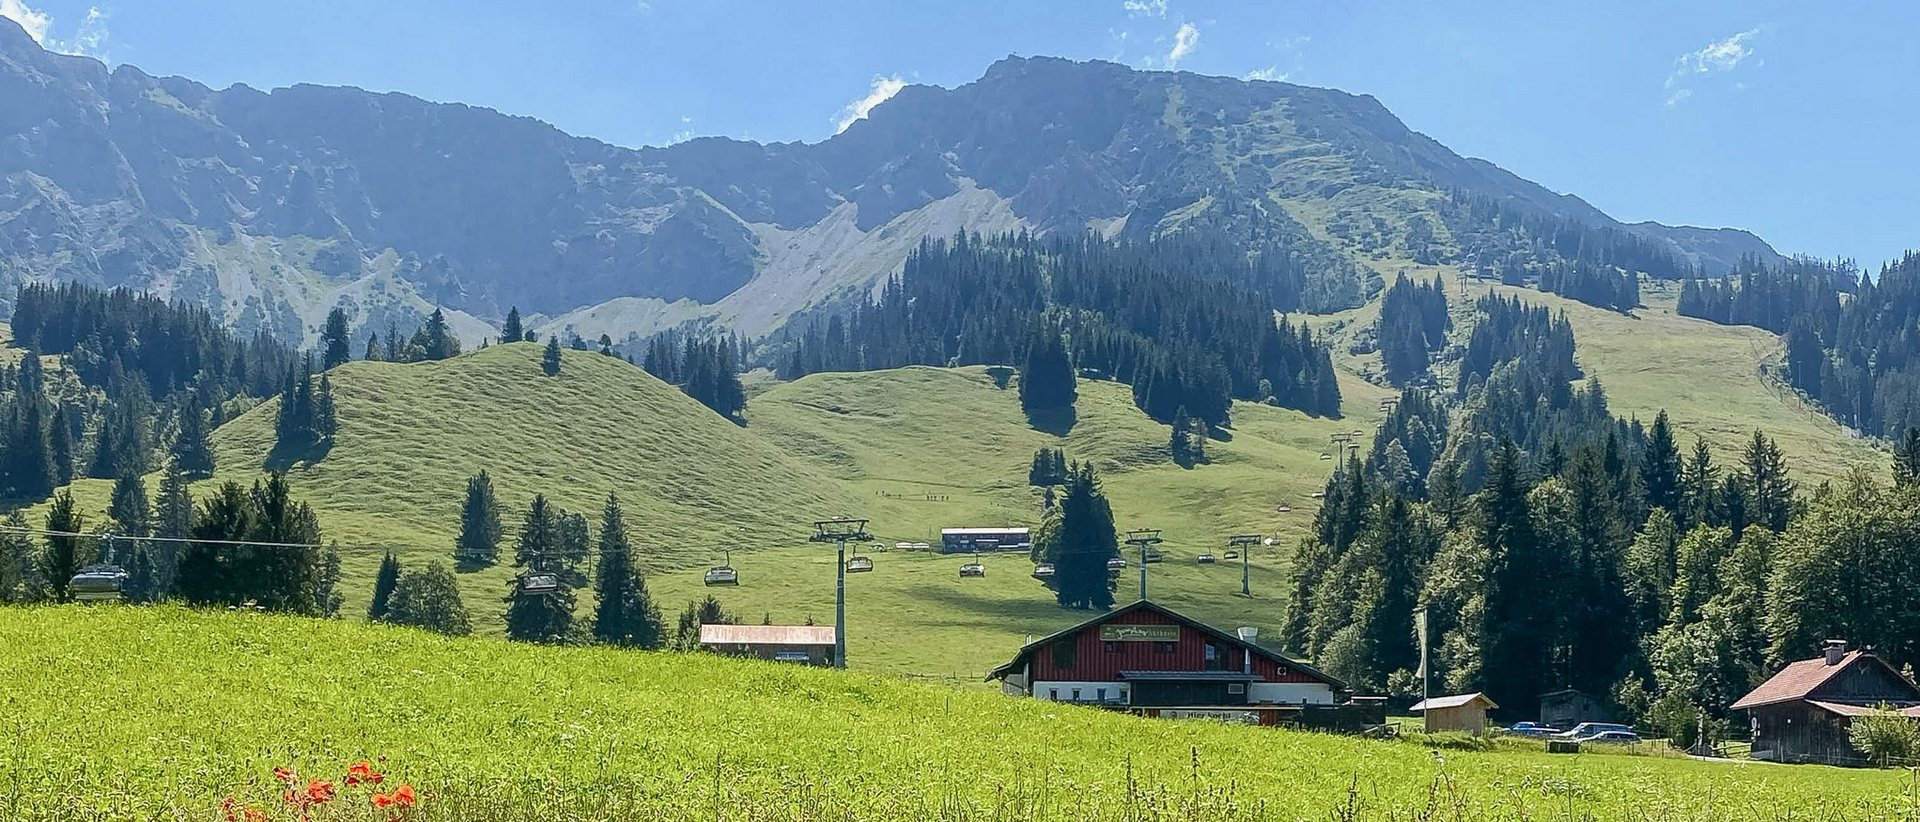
971,540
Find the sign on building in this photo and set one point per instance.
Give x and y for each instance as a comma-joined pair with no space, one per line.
1139,633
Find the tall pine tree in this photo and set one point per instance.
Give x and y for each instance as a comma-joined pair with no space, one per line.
478,544
625,614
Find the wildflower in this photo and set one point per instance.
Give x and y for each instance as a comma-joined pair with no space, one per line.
363,773
255,815
404,797
283,774
227,806
319,792
381,800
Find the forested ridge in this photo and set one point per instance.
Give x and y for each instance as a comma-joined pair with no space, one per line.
1163,317
1852,343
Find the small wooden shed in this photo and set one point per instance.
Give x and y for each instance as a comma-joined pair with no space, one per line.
1460,712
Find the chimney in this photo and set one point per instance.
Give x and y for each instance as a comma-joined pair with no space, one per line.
1836,649
1247,635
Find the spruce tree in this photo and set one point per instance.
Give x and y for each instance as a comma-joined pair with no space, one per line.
1181,443
1087,541
375,352
326,423
131,515
326,594
173,505
383,583
64,555
1700,491
1519,623
335,342
1906,459
550,361
21,581
511,330
536,615
437,340
1770,492
625,614
478,544
60,446
29,459
1660,466
192,445
1047,379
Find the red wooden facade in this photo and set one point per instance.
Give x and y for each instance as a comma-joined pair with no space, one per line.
1092,659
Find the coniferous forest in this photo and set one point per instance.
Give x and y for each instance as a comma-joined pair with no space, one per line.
1180,330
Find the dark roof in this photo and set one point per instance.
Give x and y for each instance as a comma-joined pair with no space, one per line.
1144,605
1800,679
1187,676
1843,709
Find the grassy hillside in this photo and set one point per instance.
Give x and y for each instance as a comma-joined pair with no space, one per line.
915,450
149,713
1710,378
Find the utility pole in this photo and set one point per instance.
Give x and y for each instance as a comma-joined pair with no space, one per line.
1420,626
839,531
1245,543
1145,538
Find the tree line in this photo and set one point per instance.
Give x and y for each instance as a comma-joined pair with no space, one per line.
1413,327
1171,327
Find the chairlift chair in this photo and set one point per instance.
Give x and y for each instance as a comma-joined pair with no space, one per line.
1231,554
723,574
539,583
859,564
974,567
1043,571
1155,556
1117,564
1205,559
101,582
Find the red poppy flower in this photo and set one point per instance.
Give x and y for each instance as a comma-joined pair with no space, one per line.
255,815
363,772
283,774
381,800
319,791
404,797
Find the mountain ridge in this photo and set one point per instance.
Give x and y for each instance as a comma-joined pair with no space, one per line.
272,207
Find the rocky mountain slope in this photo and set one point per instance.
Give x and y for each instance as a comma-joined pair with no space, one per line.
272,207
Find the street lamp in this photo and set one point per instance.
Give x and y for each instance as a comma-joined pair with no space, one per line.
1245,543
1144,538
839,531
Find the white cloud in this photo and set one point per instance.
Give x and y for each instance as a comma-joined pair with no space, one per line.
883,90
1289,49
1145,8
35,22
1719,56
89,39
1272,72
1184,42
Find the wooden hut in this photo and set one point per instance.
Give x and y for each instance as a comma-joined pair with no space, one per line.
1460,712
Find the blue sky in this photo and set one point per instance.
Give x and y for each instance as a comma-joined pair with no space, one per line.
1786,118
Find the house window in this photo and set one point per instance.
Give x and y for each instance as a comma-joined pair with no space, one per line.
1053,694
1076,694
1063,654
1100,695
1214,660
1112,647
1163,647
1236,687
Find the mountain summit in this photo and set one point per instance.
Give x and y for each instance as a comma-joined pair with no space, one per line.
272,207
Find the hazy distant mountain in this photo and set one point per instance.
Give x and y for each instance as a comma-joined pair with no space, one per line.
271,207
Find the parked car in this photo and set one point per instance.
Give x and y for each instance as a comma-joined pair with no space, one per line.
1612,738
1532,729
1588,729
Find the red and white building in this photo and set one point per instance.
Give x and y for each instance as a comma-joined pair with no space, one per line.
1150,659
